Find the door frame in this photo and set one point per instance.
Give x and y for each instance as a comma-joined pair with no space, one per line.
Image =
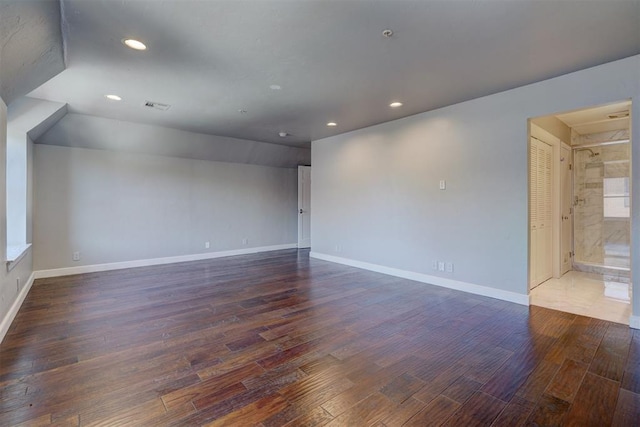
304,206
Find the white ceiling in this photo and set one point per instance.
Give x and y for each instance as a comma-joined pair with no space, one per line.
209,59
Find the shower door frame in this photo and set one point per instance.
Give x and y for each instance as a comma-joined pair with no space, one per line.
574,148
567,222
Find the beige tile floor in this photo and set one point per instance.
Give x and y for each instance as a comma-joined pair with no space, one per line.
585,294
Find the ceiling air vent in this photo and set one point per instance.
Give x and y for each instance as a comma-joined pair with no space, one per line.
619,115
157,105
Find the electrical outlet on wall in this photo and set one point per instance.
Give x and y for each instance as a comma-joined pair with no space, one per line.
338,248
207,245
449,267
434,265
440,265
245,241
76,256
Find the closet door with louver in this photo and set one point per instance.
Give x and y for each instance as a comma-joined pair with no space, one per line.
540,190
533,212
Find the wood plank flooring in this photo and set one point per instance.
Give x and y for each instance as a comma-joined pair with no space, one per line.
277,339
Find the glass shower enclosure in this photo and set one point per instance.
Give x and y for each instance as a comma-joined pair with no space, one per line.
602,233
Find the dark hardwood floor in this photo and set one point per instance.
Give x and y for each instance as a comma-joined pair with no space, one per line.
278,339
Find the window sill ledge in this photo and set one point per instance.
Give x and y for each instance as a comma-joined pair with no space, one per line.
15,253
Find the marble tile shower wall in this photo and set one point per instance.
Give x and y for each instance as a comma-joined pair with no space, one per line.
589,211
601,185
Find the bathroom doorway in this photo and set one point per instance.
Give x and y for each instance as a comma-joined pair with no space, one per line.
591,274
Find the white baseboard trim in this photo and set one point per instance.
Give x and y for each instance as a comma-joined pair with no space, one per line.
634,322
432,280
13,311
67,271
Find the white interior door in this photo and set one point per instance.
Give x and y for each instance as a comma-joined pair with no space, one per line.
304,206
540,212
566,208
533,213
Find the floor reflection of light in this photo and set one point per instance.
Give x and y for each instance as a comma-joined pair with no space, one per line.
618,291
587,295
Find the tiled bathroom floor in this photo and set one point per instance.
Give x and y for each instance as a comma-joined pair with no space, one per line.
585,294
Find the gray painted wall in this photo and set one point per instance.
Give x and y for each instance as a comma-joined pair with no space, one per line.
375,191
9,285
79,130
16,187
27,118
115,206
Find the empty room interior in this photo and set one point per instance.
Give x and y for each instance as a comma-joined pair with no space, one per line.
307,213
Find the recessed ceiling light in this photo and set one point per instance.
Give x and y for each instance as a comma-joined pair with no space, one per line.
242,111
275,87
387,33
283,134
113,97
395,104
134,44
332,124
